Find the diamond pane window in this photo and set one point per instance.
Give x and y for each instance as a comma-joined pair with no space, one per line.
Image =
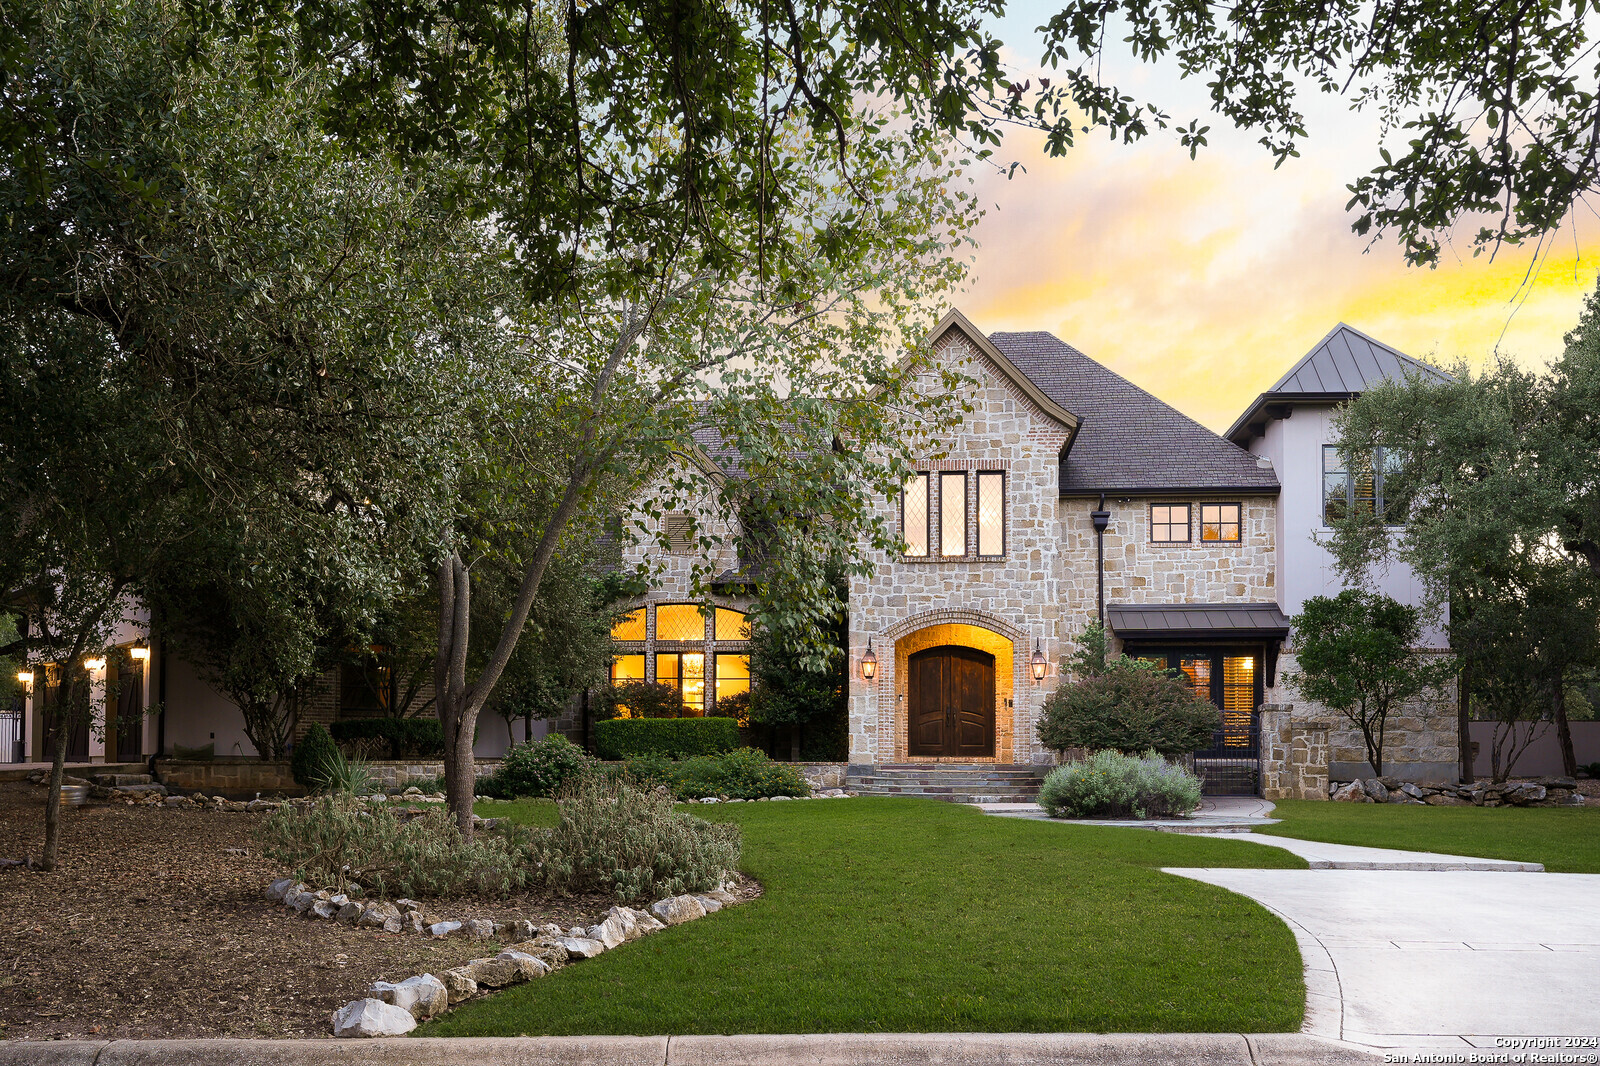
629,627
1169,523
914,515
1219,521
680,621
991,514
732,625
952,514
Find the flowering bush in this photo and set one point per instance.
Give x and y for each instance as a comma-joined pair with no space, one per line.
1110,784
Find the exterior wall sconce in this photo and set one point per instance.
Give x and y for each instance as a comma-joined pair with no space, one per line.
140,651
1040,664
869,663
94,665
25,676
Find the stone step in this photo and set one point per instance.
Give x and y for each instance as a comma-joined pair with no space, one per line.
937,790
947,779
933,776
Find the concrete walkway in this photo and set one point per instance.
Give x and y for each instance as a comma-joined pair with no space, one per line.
823,1049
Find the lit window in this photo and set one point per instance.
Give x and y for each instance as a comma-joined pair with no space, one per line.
732,625
952,514
991,514
1169,523
680,621
625,668
629,627
686,673
1219,521
914,515
733,675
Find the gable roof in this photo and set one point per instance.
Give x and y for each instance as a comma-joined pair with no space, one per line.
955,320
1336,369
1128,442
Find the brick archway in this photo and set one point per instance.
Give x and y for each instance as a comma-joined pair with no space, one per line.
962,628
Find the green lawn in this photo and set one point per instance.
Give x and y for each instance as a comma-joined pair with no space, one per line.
1565,840
901,915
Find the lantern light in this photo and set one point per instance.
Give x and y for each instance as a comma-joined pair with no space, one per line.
869,663
25,676
94,665
140,651
1040,663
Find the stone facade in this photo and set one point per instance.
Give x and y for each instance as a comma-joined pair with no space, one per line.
1294,755
1042,591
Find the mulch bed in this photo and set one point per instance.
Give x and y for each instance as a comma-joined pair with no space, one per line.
154,925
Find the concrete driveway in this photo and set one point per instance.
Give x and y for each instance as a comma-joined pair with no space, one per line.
1405,958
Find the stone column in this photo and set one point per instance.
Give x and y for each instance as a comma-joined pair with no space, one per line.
98,715
1276,770
1309,759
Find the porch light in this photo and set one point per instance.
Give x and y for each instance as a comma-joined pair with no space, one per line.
1040,663
94,665
140,651
26,677
869,663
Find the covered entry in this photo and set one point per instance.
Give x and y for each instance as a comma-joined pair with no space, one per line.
952,703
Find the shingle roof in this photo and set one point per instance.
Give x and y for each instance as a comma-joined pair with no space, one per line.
1134,620
1337,368
1128,441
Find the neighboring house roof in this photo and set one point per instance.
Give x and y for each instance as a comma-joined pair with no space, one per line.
1336,369
1128,442
1155,621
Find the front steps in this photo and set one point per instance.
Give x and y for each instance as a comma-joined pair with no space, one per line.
953,782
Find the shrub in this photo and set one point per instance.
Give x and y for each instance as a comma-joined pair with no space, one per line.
676,738
734,706
741,774
396,738
1130,707
339,838
647,699
620,839
651,771
537,769
314,757
1111,784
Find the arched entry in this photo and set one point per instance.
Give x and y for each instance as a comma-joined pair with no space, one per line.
951,703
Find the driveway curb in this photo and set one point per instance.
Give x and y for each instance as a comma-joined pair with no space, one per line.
821,1049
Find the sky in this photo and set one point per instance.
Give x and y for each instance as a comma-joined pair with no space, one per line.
1203,281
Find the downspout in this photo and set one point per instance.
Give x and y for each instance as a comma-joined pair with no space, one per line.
1101,519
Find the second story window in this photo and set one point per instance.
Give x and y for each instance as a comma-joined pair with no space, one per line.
1219,521
991,513
953,514
914,515
1169,523
1361,490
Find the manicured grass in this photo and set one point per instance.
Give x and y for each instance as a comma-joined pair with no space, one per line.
1566,840
901,915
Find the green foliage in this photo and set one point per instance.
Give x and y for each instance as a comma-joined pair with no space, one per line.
676,738
1357,656
651,770
1110,784
648,699
743,773
620,839
401,738
1091,658
735,706
538,769
315,756
1130,706
339,838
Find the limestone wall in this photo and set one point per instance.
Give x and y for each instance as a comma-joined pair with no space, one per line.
1294,755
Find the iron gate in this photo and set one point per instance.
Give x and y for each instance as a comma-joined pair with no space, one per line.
1231,766
11,732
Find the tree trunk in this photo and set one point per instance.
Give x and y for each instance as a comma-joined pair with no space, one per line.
458,716
1569,759
1464,722
58,770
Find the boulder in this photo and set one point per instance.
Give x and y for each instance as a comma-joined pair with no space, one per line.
408,904
279,888
527,966
721,895
413,923
479,928
711,906
1411,790
521,929
1375,790
458,984
676,910
379,915
351,912
547,950
372,1017
609,932
301,901
1350,792
439,929
1441,799
323,908
581,947
424,996
492,973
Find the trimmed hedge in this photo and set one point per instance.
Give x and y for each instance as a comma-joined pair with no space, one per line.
676,738
407,738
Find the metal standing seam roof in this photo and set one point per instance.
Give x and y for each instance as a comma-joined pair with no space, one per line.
1338,367
1217,619
1128,441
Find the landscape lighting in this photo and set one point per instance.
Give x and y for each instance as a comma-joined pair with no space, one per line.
869,663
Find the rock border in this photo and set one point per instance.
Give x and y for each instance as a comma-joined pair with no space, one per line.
1540,792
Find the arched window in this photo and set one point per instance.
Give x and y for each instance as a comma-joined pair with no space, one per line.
680,621
732,625
630,626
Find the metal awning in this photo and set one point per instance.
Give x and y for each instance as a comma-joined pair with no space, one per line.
1191,621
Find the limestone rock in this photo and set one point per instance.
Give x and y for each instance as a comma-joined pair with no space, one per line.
1350,792
1375,790
408,904
609,932
351,912
372,1017
582,947
721,895
323,908
676,910
547,950
458,984
279,888
413,923
1411,790
440,929
711,906
424,996
492,973
1440,799
479,929
527,966
550,929
521,929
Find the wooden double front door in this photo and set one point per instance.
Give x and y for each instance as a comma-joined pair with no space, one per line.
951,695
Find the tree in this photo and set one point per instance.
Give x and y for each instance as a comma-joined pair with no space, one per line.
1357,656
787,689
